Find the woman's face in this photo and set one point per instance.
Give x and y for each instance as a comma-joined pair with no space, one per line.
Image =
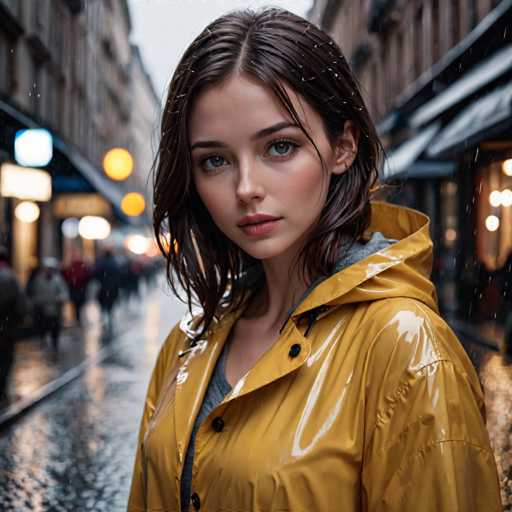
249,159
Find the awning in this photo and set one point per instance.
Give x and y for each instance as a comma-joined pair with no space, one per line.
98,181
430,169
481,75
388,123
400,159
113,192
486,117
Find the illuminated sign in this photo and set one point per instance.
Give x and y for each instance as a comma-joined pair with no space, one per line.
25,183
80,205
33,148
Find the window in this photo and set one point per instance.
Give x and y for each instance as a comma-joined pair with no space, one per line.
494,229
455,19
8,65
418,41
399,62
435,31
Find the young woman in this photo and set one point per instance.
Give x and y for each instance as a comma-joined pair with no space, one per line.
318,374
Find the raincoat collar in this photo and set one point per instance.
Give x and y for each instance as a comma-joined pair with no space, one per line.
398,237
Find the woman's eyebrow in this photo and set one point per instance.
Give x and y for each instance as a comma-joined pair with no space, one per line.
258,135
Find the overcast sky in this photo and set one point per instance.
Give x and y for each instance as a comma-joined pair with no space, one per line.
164,28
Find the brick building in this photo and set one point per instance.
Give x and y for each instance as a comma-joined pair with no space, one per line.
435,75
67,66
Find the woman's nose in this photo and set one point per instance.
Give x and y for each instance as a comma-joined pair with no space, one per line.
249,186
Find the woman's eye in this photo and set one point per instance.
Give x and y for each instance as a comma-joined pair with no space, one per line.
212,163
282,148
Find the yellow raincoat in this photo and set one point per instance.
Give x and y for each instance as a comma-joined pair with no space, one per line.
377,409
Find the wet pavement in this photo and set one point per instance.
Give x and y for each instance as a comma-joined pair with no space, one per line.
74,451
496,377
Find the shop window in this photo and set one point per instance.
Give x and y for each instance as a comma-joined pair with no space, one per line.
449,214
4,56
36,87
8,65
472,18
494,228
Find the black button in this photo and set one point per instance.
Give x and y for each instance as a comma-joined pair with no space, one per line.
195,501
218,424
294,350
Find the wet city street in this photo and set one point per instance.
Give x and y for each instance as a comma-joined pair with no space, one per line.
74,451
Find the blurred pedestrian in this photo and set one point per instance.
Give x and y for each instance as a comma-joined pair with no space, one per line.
48,292
108,274
77,276
12,309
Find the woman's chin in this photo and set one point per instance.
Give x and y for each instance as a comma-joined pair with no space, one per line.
265,249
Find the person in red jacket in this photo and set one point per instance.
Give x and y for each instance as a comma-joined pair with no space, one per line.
77,276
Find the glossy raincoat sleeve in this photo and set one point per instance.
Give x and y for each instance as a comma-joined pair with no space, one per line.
166,358
427,447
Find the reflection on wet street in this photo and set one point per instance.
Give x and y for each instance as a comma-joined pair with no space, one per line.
495,371
75,451
496,377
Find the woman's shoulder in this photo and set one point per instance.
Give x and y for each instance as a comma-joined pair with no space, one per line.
176,341
410,344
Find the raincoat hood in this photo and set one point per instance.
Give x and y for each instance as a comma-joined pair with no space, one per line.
372,405
394,260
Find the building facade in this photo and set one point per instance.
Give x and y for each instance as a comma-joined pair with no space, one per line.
66,66
145,124
435,76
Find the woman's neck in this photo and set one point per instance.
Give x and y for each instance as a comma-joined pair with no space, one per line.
270,306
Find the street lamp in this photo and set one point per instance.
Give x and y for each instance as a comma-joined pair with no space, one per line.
118,164
133,204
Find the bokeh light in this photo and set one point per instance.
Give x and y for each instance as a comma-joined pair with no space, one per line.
27,211
118,164
133,204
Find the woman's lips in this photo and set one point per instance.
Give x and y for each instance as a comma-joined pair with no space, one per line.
260,228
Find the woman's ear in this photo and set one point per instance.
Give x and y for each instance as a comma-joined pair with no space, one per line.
346,148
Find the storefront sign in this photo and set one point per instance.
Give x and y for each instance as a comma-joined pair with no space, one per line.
25,183
80,205
33,147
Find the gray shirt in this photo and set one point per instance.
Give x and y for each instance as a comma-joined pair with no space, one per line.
219,387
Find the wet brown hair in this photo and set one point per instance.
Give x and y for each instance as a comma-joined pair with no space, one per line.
275,47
